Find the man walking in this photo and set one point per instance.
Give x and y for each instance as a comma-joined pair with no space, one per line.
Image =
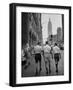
37,53
47,57
57,55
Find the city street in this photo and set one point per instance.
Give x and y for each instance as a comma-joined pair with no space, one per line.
30,69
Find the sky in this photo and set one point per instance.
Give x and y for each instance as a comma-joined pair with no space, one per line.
56,21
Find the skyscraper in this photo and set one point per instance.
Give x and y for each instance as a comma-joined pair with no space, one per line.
49,39
59,34
49,27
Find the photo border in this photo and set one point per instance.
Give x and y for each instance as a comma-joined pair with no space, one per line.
12,64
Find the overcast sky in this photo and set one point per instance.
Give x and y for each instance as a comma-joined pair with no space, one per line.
56,21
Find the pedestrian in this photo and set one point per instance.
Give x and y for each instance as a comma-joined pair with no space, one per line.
57,55
47,57
27,50
26,56
37,53
23,57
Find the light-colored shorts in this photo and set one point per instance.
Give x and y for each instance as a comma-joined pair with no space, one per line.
47,57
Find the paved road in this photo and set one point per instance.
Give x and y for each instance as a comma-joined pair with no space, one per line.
29,69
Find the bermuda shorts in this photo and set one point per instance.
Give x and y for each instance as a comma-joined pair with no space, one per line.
56,57
47,57
37,57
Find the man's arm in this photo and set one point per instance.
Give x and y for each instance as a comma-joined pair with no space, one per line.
43,53
51,52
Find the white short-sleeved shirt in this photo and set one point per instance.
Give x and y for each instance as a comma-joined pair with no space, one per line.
46,49
37,49
56,49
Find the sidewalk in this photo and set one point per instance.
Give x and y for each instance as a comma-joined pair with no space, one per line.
30,70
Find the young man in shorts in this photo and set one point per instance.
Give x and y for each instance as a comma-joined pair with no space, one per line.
37,53
47,57
57,55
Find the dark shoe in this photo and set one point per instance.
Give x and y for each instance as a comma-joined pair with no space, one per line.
40,69
36,74
46,71
49,71
56,71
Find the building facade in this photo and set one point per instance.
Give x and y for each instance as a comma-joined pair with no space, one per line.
49,27
59,34
49,39
31,28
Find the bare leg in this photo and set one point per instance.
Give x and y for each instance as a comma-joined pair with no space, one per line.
46,66
40,65
49,67
36,69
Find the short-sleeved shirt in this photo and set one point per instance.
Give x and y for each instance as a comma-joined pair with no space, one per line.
56,49
47,49
37,49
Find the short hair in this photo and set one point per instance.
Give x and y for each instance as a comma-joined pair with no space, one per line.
55,44
38,43
46,42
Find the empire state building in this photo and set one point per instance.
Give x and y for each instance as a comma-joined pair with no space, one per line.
49,28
